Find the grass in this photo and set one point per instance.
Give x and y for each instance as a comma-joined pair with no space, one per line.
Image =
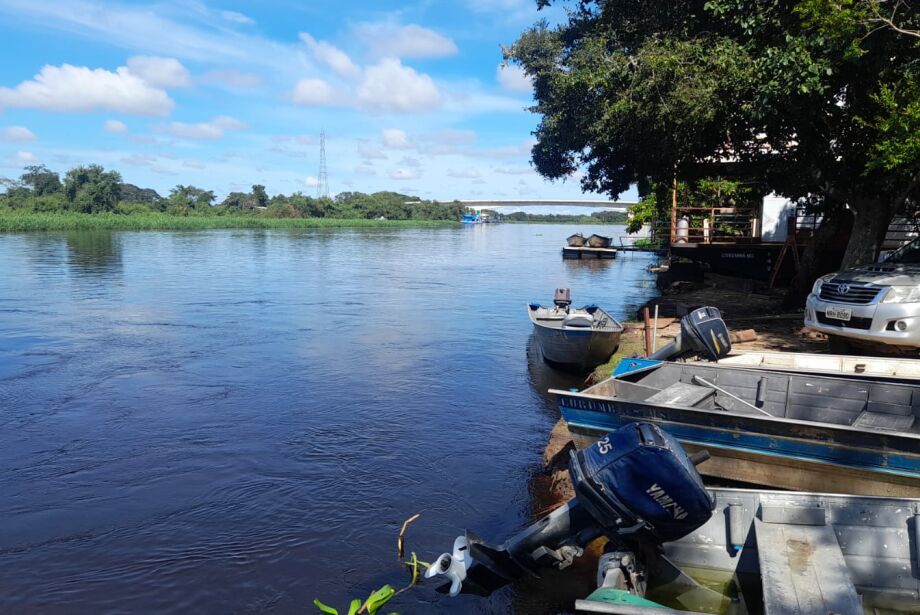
14,221
632,343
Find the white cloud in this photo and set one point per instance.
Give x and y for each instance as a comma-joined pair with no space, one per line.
410,41
369,152
312,182
115,126
313,93
513,78
160,72
215,129
394,138
79,89
233,79
331,56
365,169
514,170
463,173
407,161
404,174
455,137
237,17
17,134
24,158
390,86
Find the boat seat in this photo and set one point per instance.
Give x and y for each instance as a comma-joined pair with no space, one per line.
803,572
681,394
584,321
884,421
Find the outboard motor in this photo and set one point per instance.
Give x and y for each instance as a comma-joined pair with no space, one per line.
702,331
562,298
636,485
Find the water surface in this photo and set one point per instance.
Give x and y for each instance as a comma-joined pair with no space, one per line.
241,420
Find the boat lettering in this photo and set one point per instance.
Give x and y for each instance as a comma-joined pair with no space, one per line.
603,445
665,501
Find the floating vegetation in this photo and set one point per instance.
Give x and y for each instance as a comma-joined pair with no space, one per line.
380,597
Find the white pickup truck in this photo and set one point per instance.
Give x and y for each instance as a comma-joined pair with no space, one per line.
878,303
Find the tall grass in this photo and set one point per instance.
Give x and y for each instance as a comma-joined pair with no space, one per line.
14,221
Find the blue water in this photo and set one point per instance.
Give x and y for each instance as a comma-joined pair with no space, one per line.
240,420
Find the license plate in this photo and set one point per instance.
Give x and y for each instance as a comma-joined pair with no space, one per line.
839,313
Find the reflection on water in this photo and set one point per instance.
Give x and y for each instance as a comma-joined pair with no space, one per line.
241,420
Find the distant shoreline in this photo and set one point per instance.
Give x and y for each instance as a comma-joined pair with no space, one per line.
12,222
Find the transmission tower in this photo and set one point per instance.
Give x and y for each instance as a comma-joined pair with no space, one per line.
322,188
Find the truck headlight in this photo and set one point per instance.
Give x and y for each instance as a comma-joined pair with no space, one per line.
902,294
816,289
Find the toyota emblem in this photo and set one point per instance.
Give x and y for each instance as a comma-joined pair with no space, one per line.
843,289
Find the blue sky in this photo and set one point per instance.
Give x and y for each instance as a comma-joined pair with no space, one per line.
228,94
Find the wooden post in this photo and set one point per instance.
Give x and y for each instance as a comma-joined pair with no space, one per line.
648,331
674,210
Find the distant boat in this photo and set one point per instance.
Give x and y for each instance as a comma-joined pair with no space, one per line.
471,218
576,241
577,338
598,241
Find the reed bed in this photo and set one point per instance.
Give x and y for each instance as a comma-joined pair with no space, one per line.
72,221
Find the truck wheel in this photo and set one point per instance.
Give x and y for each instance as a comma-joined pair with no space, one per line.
839,345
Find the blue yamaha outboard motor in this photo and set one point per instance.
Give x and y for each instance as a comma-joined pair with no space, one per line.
635,485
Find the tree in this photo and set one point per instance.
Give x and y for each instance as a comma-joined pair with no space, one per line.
776,92
190,197
260,196
239,201
41,180
134,194
92,189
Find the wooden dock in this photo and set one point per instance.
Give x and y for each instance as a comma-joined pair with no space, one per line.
574,252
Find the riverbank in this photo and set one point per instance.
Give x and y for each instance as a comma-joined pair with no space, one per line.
72,221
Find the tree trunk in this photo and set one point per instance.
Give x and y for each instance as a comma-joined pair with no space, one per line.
821,255
872,217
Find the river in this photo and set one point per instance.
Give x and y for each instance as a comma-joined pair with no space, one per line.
240,420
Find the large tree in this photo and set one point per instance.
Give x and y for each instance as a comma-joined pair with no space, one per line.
810,103
92,189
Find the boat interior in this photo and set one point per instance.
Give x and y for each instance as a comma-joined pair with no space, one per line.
588,317
869,405
786,552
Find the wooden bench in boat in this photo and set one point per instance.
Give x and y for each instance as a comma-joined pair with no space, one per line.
802,569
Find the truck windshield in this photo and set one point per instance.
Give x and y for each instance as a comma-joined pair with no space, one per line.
909,253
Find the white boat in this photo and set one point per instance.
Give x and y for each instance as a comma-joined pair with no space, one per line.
577,338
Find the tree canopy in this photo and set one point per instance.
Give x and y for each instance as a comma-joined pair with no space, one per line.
809,98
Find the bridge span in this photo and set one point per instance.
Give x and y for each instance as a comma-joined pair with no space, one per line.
493,203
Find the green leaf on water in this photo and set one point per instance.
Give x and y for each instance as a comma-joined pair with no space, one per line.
355,606
325,608
379,598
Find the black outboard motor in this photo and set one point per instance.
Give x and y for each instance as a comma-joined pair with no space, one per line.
636,485
702,331
562,298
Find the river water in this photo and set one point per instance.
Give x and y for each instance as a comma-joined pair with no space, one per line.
240,420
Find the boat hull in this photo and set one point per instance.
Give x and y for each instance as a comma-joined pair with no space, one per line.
575,349
775,453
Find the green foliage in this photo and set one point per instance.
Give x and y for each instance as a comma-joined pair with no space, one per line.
92,189
135,194
260,196
597,217
40,180
809,98
184,198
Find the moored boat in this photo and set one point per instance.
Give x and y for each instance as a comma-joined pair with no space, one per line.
577,338
793,431
598,241
871,368
576,241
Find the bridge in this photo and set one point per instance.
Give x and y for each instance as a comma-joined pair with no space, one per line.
493,203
